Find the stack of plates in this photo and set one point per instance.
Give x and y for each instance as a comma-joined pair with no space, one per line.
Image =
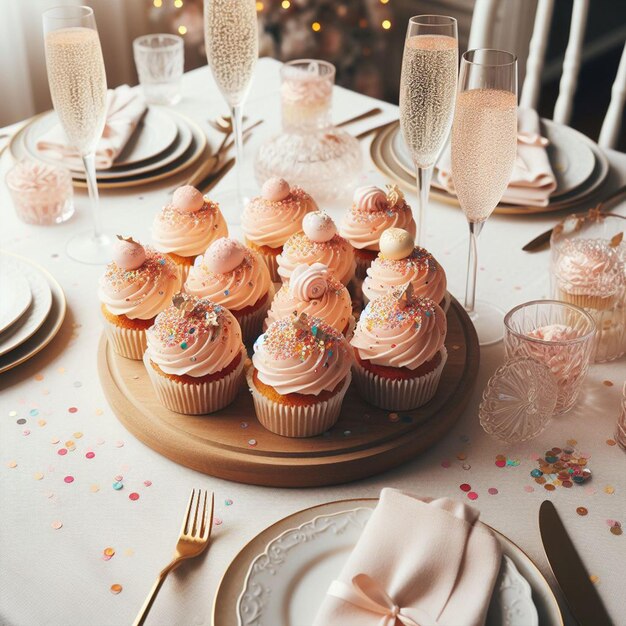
163,144
32,309
579,165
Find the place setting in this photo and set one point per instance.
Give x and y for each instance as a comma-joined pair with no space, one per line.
277,407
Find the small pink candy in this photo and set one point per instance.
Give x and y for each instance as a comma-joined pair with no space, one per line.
187,199
319,226
129,255
275,189
224,255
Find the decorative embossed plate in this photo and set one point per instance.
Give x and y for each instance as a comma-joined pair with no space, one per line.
284,585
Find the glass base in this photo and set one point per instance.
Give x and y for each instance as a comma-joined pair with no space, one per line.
89,249
232,205
488,320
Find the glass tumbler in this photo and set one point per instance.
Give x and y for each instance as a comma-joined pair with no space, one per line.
160,61
588,269
557,335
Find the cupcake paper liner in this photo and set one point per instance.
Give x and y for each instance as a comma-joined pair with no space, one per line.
127,342
297,421
196,398
252,323
585,301
270,260
361,267
398,395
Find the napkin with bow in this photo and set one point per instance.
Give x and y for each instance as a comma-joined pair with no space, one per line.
125,108
532,180
420,562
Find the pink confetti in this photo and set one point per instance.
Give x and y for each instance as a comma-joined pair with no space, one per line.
68,479
90,455
529,488
492,491
26,432
134,496
445,463
99,441
147,483
500,463
472,495
57,524
464,487
119,443
72,409
118,478
217,521
62,451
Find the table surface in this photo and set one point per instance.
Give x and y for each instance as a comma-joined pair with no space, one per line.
58,576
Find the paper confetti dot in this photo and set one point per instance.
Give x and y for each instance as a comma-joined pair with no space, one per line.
609,489
94,488
115,589
90,455
99,411
581,510
133,496
492,491
500,462
252,442
466,466
244,425
217,521
99,441
21,421
228,502
11,464
594,579
616,529
461,456
394,417
108,552
54,440
57,524
38,376
607,383
610,442
78,435
69,444
147,483
12,413
62,451
129,552
465,487
68,479
445,463
118,478
472,495
119,443
34,412
529,488
72,409
38,476
42,423
117,486
549,487
26,432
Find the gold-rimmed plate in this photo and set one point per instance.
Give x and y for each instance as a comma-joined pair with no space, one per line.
226,605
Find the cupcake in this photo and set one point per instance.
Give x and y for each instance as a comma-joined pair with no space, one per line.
185,227
137,285
372,213
300,374
399,350
195,356
313,291
400,262
317,243
269,220
589,273
235,277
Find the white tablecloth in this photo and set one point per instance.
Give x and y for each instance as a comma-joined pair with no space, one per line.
58,576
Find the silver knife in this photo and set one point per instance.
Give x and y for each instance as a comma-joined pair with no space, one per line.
569,571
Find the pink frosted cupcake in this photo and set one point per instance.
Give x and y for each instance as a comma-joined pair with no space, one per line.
314,292
235,277
399,350
318,243
269,220
372,213
400,262
299,377
186,227
195,356
137,285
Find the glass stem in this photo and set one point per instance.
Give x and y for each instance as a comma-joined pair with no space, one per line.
89,162
472,266
236,117
424,174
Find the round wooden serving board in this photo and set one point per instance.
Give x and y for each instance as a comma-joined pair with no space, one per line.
231,444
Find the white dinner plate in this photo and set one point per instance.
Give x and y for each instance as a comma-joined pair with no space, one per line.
569,153
34,317
281,576
15,295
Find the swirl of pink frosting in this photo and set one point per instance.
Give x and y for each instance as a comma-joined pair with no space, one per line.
369,217
337,254
309,282
143,292
334,305
236,289
202,340
420,269
188,233
301,355
589,267
400,333
270,223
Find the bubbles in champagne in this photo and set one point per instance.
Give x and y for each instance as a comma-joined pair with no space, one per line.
231,41
77,84
484,145
427,92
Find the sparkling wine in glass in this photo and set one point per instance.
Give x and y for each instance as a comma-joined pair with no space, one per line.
484,144
232,49
78,88
427,95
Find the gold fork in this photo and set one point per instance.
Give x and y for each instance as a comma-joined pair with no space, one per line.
192,541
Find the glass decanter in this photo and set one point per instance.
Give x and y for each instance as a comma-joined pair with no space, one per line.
310,151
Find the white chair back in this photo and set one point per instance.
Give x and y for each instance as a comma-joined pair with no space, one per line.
481,35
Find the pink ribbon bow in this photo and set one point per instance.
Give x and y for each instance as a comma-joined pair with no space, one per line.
369,595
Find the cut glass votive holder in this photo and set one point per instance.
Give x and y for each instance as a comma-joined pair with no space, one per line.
42,194
588,269
558,335
620,431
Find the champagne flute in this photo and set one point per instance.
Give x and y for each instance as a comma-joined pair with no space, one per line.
232,49
484,145
78,88
427,94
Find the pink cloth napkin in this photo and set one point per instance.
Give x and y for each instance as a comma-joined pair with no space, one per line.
532,180
125,107
421,562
